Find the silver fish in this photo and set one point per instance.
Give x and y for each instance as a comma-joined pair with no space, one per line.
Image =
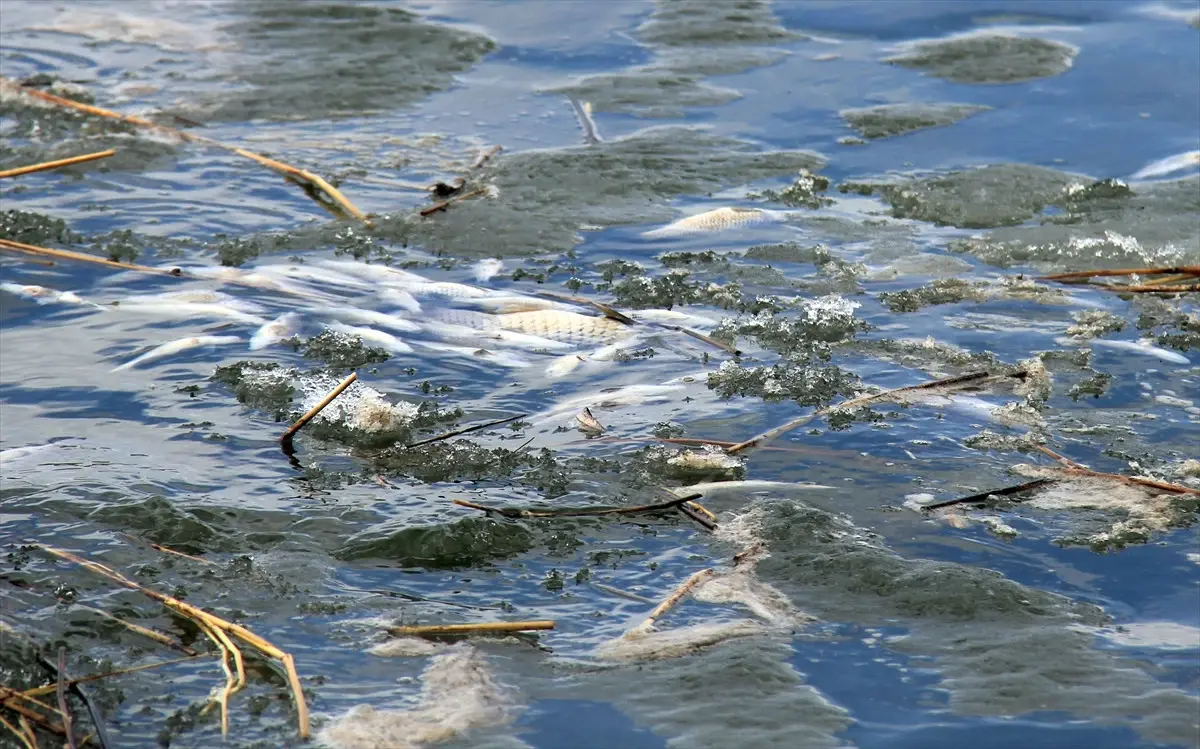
493,337
718,219
196,296
44,295
281,327
371,317
174,347
190,310
386,341
1169,165
401,298
1144,348
502,358
568,327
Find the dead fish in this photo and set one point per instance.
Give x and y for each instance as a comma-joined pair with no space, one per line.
742,487
568,327
44,295
196,296
174,347
486,337
1166,166
718,219
1143,347
486,269
284,326
503,305
313,276
502,358
371,317
588,424
190,310
565,365
401,298
249,278
385,341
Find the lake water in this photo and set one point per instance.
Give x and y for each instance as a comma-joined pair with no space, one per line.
914,165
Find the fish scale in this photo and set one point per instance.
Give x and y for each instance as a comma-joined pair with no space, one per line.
555,325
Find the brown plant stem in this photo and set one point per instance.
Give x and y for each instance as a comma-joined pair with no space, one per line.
469,629
464,430
31,249
285,440
671,601
82,159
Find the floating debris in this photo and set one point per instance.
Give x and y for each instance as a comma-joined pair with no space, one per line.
43,295
718,219
588,424
458,695
279,329
176,346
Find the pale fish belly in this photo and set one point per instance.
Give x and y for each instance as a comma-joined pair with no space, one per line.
715,220
567,327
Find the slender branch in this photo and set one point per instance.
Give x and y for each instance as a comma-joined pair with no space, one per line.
443,205
31,249
580,511
152,634
1188,270
57,164
671,601
285,440
61,692
962,379
464,430
984,496
468,629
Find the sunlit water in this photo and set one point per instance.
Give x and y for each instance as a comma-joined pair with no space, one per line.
1044,623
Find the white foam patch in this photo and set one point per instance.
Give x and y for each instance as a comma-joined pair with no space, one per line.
764,601
406,647
1155,635
358,407
458,695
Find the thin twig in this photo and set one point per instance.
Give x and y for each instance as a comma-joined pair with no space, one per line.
693,513
470,629
201,616
1147,289
298,174
285,440
443,205
671,601
31,249
733,350
485,156
56,164
854,402
61,691
22,736
8,698
152,634
579,511
38,691
1072,468
464,430
1189,270
984,496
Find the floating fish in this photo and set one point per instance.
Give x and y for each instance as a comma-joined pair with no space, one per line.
503,305
196,296
565,365
385,341
486,269
371,317
401,298
320,276
284,326
502,358
587,423
1144,348
1166,166
493,337
174,347
715,220
44,295
568,327
370,271
743,487
249,278
189,310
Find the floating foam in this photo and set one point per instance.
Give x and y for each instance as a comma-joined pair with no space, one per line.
637,645
458,695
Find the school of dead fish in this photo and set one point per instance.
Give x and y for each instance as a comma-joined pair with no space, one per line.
459,692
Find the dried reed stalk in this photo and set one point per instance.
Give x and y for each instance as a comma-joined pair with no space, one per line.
152,634
285,440
9,697
49,688
670,602
304,177
469,629
581,511
21,735
1072,468
859,401
57,163
443,205
32,249
61,692
203,618
1187,270
1148,289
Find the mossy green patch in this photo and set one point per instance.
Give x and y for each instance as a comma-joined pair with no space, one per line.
340,351
988,58
896,119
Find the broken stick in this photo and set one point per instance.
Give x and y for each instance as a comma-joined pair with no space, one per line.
285,440
82,159
471,629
